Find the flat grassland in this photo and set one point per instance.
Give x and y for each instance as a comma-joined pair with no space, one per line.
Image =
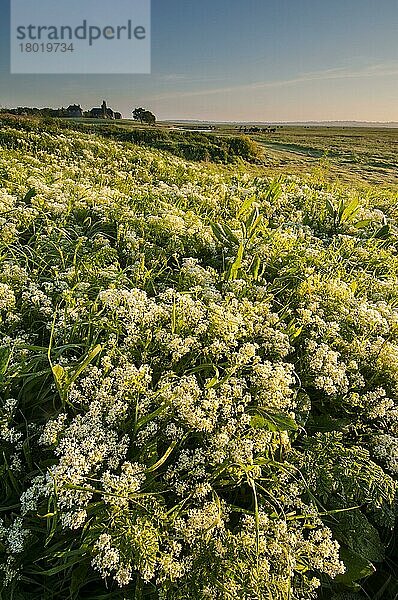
360,155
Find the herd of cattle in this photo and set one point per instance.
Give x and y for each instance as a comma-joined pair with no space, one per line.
244,129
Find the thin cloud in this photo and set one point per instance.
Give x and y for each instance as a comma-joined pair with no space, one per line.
172,77
378,70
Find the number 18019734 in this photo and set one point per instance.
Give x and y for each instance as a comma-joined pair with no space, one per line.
46,47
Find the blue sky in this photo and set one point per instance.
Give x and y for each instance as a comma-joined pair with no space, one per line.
244,60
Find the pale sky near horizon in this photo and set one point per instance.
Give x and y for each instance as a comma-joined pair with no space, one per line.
248,60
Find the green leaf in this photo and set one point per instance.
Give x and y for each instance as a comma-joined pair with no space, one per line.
230,235
295,331
255,267
147,418
362,224
355,531
86,361
214,381
383,233
349,210
273,422
258,422
236,265
29,195
357,567
252,217
163,459
245,206
5,354
61,380
64,378
328,423
274,191
224,234
219,234
330,208
255,226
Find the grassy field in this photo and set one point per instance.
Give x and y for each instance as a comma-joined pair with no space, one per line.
356,154
198,363
359,155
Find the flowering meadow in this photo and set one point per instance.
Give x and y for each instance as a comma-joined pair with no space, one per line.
198,377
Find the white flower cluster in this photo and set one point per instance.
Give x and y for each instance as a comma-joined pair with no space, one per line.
9,433
385,448
14,536
329,374
7,298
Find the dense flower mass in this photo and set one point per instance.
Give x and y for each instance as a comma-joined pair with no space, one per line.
199,377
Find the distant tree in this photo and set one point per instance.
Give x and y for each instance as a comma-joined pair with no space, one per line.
149,118
144,116
138,114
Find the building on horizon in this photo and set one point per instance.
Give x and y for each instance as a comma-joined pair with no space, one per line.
104,112
74,110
